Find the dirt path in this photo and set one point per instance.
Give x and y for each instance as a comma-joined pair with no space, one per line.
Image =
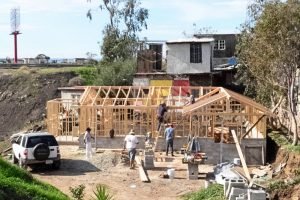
107,168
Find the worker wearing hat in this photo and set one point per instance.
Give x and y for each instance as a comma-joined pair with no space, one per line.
130,143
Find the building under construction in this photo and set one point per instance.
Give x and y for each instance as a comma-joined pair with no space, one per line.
118,109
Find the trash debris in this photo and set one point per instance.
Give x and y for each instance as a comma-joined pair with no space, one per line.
224,170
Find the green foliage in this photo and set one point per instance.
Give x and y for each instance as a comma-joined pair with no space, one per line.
102,193
16,183
126,19
279,184
78,192
116,73
283,185
88,74
213,192
268,51
282,141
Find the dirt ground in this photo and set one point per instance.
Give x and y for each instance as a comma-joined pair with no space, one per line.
106,167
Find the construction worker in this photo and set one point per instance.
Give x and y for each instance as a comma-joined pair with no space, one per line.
87,139
162,109
130,143
169,136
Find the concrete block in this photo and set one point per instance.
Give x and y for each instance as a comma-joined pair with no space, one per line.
236,192
256,194
237,183
226,184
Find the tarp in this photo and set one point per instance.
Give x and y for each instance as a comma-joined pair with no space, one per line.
180,82
163,83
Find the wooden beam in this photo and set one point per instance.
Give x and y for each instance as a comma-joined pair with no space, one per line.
127,95
117,96
238,147
244,135
137,97
143,176
96,96
106,96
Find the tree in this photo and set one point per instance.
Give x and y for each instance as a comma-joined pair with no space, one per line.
126,19
269,51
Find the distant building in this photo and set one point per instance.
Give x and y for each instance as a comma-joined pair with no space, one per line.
189,56
42,59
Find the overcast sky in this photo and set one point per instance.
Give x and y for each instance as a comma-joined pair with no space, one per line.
60,28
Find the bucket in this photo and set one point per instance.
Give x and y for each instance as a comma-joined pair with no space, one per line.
237,161
171,173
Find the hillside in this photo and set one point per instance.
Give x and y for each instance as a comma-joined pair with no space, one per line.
24,93
17,184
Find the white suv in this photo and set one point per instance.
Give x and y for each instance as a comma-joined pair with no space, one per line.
35,148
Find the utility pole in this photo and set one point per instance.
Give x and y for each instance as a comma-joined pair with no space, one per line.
15,29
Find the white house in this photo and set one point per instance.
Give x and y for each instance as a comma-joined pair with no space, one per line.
190,56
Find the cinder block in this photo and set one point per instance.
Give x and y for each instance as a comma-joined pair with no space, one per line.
237,183
236,192
256,194
226,184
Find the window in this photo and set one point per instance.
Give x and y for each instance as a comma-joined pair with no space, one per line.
219,45
195,53
222,44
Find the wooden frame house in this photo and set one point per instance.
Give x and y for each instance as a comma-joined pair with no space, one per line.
121,108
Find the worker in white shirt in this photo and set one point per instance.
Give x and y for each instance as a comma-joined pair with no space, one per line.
87,139
130,143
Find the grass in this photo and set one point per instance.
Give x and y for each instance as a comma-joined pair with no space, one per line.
213,192
15,183
57,70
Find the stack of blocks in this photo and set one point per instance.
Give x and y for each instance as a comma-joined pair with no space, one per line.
236,189
148,159
192,171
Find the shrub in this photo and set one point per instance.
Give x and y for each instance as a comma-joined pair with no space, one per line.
102,193
77,192
213,192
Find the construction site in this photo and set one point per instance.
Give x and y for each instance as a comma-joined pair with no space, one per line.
225,126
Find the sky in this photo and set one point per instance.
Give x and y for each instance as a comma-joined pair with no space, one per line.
60,28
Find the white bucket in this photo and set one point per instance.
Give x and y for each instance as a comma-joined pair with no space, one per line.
237,161
171,173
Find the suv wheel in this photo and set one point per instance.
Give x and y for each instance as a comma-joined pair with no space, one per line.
41,151
56,164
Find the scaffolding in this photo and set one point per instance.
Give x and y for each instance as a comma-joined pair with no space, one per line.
122,108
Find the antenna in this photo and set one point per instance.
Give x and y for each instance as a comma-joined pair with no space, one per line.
15,29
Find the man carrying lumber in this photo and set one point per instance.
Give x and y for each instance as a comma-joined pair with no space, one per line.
130,143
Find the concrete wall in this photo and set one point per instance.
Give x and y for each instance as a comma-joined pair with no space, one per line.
216,152
221,152
112,143
178,59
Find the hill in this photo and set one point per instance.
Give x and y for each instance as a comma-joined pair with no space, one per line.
24,93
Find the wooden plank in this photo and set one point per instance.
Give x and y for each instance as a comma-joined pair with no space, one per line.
143,176
252,127
238,147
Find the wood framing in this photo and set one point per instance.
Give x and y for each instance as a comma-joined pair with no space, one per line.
215,113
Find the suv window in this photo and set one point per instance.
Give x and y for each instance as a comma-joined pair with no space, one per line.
18,140
49,140
23,142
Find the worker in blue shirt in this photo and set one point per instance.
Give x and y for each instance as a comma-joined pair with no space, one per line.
169,136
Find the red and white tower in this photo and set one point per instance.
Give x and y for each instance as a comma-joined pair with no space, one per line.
15,29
